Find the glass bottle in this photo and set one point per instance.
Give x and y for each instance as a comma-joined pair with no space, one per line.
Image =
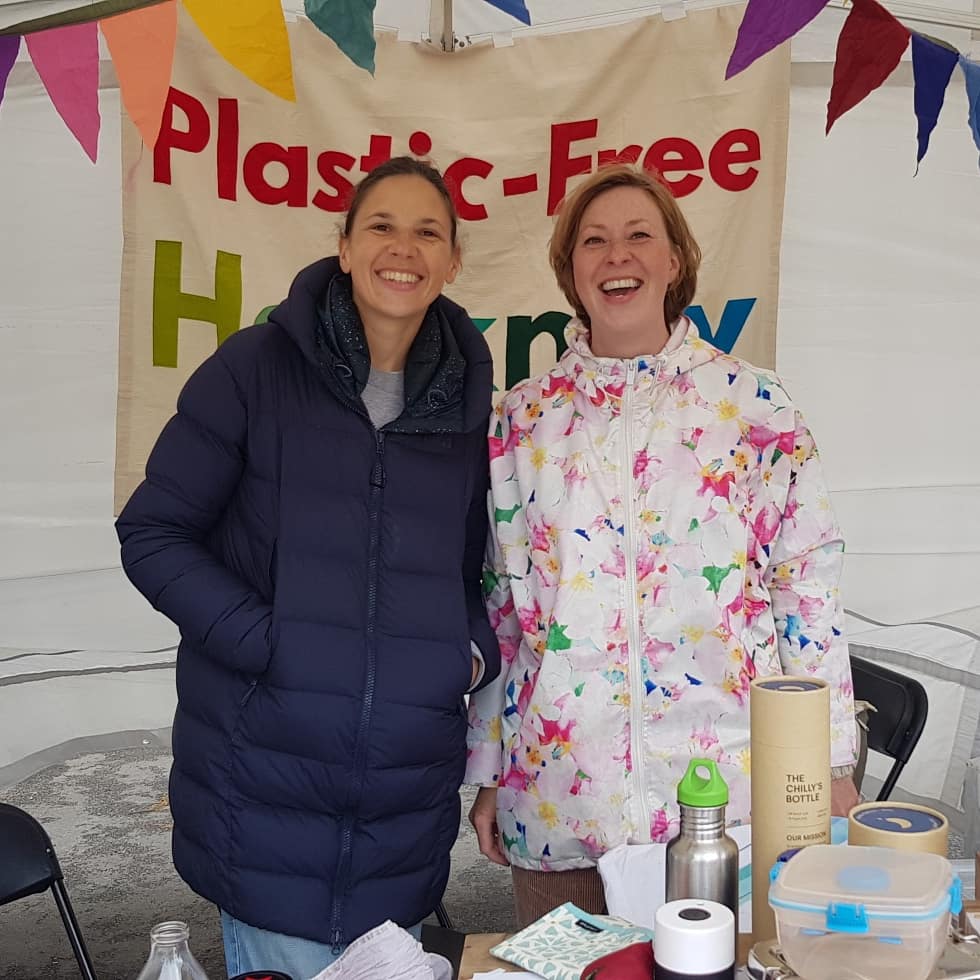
170,956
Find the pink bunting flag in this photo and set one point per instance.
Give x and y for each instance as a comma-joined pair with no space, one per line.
67,59
142,44
870,46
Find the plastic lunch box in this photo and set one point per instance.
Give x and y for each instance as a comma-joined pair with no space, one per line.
863,913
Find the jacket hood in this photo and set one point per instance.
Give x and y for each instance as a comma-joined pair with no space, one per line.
684,351
301,315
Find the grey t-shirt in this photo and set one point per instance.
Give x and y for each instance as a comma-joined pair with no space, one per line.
384,396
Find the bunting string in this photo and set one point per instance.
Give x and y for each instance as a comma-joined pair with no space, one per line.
251,35
870,46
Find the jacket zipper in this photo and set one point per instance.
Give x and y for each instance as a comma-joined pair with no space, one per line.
641,818
641,813
360,749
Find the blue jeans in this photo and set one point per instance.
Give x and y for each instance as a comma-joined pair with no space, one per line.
248,948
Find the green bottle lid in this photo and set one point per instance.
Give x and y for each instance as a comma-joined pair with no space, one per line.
702,785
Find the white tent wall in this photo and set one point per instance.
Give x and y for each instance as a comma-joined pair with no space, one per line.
877,341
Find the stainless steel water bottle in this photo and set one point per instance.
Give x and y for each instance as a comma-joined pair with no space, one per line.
702,860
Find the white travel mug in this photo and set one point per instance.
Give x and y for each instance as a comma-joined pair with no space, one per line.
694,940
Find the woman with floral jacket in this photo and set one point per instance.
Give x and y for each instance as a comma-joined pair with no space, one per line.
662,534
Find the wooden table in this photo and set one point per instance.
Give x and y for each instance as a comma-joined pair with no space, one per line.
477,958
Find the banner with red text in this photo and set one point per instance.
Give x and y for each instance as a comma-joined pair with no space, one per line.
243,189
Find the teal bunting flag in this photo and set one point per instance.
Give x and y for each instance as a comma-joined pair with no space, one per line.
349,24
971,70
932,67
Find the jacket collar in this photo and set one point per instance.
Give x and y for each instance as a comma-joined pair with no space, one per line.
602,377
449,361
434,369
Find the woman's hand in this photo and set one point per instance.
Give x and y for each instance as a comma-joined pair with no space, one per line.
843,796
483,816
475,673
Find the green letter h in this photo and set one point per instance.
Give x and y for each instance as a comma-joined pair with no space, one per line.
171,305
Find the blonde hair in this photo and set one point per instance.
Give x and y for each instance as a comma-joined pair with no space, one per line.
681,290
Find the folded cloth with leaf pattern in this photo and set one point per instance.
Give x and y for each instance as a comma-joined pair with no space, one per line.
567,941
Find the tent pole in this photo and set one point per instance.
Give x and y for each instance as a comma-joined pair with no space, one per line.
441,23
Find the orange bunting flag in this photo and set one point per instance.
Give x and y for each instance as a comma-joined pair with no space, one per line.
142,44
67,59
870,46
252,36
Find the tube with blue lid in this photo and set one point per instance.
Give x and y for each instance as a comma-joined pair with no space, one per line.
903,826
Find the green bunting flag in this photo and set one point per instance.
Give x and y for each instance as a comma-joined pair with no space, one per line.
349,24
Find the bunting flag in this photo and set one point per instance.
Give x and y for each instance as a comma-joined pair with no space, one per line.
9,46
516,8
765,25
933,62
870,46
142,44
349,24
251,35
971,71
67,59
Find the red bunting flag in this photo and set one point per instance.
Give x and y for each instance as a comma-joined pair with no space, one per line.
870,46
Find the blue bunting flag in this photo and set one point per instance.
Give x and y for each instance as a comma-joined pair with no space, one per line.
516,8
971,71
932,67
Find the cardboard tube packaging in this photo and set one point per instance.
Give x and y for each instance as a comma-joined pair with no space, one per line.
901,826
790,742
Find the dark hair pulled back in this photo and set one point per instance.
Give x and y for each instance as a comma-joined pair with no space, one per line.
404,166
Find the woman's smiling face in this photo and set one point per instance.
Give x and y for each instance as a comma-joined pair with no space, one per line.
399,251
624,262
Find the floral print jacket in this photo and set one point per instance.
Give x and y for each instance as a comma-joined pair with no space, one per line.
661,534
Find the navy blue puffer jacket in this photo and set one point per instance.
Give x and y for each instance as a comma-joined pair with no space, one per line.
325,578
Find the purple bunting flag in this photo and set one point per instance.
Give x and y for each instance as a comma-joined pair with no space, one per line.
765,25
932,67
9,46
516,8
971,71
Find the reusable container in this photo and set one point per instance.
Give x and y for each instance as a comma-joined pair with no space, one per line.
863,913
790,760
702,860
694,939
170,957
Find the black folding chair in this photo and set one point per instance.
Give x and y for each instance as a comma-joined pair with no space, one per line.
901,708
29,866
442,917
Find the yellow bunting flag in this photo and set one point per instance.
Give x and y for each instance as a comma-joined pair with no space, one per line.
251,35
142,44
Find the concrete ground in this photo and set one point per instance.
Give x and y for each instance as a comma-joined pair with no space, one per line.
107,816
